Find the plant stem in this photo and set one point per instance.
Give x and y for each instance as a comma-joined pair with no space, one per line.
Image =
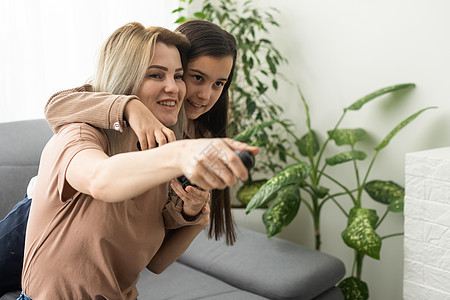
322,171
338,205
291,156
342,186
392,235
341,193
355,166
322,149
316,220
382,218
359,264
367,175
317,235
308,206
354,264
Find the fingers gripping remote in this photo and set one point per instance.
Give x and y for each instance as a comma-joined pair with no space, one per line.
246,157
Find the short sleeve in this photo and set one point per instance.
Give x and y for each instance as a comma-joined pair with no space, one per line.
72,139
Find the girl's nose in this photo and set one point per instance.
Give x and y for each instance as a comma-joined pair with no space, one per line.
204,93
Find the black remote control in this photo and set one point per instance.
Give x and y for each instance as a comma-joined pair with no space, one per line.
246,157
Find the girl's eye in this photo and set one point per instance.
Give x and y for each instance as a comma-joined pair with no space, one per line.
218,84
197,77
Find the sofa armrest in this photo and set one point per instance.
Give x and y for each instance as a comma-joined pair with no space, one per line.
273,268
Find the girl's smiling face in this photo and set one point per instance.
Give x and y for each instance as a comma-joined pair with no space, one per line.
163,89
205,78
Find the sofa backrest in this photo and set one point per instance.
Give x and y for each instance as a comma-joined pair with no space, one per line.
21,144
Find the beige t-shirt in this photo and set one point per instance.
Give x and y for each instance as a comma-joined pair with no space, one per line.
78,247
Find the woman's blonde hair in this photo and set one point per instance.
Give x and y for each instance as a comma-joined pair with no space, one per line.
123,61
126,54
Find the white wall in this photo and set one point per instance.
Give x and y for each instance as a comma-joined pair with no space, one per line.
51,45
339,51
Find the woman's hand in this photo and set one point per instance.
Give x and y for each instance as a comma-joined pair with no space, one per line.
194,199
212,163
148,129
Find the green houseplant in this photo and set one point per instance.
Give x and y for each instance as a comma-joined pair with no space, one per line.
301,182
256,71
254,119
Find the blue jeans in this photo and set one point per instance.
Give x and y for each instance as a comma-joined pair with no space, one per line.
22,296
12,244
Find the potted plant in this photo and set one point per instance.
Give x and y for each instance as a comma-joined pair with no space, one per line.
302,183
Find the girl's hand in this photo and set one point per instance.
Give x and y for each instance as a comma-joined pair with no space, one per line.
194,200
212,163
204,219
148,129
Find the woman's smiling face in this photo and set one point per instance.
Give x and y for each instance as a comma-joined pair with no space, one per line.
205,78
163,88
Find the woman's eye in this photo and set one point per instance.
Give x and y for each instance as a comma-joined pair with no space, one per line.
156,76
179,77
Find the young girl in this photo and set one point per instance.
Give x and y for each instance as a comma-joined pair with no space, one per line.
100,212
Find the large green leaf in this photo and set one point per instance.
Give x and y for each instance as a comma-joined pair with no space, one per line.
347,136
384,191
282,211
359,103
248,189
360,234
397,128
354,289
294,174
247,134
308,145
397,205
345,157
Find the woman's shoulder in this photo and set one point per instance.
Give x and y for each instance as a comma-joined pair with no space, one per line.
82,131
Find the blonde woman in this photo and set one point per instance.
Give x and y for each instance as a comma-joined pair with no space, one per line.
100,212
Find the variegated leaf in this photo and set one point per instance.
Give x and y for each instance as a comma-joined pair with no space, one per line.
396,205
345,157
248,189
247,134
347,136
359,103
354,289
282,211
399,127
384,191
308,144
294,174
360,234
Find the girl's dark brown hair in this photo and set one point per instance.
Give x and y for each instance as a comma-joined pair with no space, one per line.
208,39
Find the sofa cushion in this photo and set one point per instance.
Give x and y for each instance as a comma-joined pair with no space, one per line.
180,282
278,270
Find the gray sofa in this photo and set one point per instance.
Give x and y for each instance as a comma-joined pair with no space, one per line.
254,268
